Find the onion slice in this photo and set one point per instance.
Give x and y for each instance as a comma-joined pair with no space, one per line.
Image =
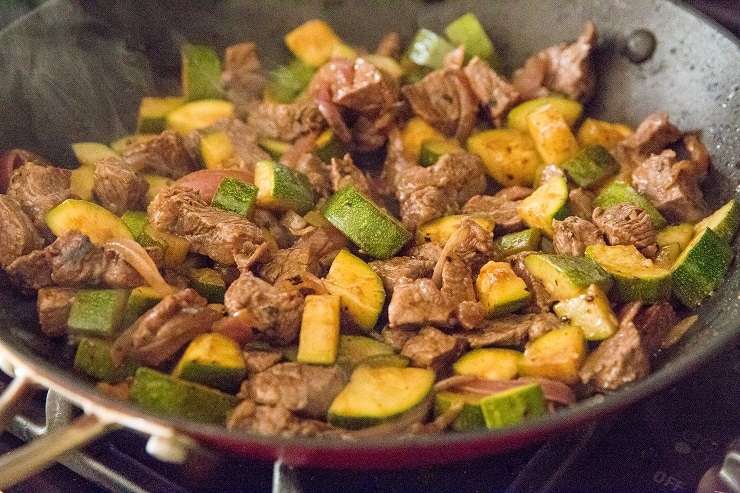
553,390
135,255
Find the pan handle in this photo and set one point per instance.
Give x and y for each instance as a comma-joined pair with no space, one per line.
38,454
14,397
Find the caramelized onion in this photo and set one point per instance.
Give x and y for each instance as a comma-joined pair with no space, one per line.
135,255
553,390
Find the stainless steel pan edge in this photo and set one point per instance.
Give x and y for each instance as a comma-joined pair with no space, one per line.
692,75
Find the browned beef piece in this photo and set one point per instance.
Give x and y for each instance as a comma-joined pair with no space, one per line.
511,330
397,161
370,91
119,188
345,172
573,234
540,299
288,263
581,202
14,159
562,69
653,323
216,233
651,136
30,272
618,360
390,45
38,189
446,101
286,121
492,90
425,251
257,360
396,337
18,235
273,312
501,208
167,154
673,187
401,270
272,420
318,173
473,246
433,349
306,390
243,138
53,306
429,193
420,303
627,224
167,327
241,78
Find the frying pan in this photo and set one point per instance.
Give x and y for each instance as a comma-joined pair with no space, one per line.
74,71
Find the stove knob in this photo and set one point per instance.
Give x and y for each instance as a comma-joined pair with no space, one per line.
723,478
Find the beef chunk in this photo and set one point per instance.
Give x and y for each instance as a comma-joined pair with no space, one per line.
429,193
501,208
446,101
216,233
627,224
511,330
241,78
30,272
401,270
18,235
272,420
420,303
581,202
118,188
672,186
561,69
38,189
618,360
397,161
653,324
167,154
573,234
652,136
53,308
318,173
540,300
433,349
344,172
495,93
390,45
13,159
286,121
469,243
306,390
288,263
396,337
258,360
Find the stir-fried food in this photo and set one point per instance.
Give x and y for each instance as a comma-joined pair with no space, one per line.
369,243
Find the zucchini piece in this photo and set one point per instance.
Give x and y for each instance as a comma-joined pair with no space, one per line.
328,146
93,357
566,276
217,150
208,283
557,355
200,72
156,184
416,131
506,408
235,195
354,349
275,148
679,234
175,247
591,312
433,149
98,312
82,181
198,114
318,340
667,255
590,166
599,132
549,201
378,394
570,110
701,267
499,289
153,111
314,42
281,187
359,288
724,221
490,363
636,278
92,152
214,360
391,359
141,299
439,230
619,192
135,221
89,218
159,392
510,155
552,134
526,240
428,49
286,82
365,223
468,31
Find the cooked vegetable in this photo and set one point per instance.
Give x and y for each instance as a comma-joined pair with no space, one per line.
440,230
566,276
313,42
354,349
510,155
499,289
591,312
93,357
599,132
557,355
466,30
153,113
700,267
619,192
198,114
414,133
724,221
680,234
590,166
281,187
235,195
208,283
318,341
519,115
141,299
214,360
91,219
217,150
428,49
328,146
433,149
549,201
200,71
286,82
552,134
490,363
520,241
98,312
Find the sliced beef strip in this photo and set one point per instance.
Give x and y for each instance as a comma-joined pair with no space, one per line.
219,234
242,79
492,90
53,306
288,263
501,208
166,154
572,235
18,235
654,323
445,100
401,270
618,360
540,300
286,121
307,390
38,189
512,330
433,349
429,193
118,188
672,186
627,224
561,69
